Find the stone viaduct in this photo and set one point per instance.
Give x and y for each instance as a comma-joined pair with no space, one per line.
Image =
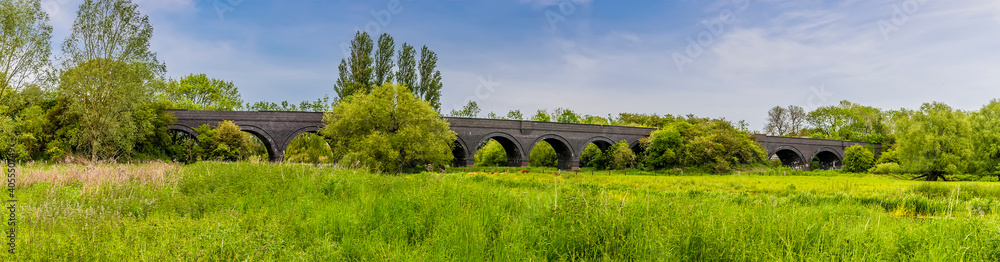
796,152
276,129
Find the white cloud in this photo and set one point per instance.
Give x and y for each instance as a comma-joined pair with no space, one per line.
945,52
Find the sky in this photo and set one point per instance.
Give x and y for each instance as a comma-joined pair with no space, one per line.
731,59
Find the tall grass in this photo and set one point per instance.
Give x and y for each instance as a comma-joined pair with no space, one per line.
241,211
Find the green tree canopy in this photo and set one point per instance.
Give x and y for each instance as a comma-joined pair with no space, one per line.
102,95
199,92
852,122
986,138
388,130
471,109
543,155
934,141
858,159
491,154
356,71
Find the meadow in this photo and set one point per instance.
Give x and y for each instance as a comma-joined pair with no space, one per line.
262,212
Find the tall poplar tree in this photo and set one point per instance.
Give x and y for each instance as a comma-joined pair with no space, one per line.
406,74
383,60
356,71
430,79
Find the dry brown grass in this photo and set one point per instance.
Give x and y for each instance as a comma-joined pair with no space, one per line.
152,173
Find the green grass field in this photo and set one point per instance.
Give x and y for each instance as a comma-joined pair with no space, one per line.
261,212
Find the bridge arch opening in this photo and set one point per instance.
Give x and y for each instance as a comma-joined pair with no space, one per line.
497,147
259,148
789,157
182,145
460,153
552,151
826,160
591,154
309,147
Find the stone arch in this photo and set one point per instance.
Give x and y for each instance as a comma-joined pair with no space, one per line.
183,128
274,155
564,150
510,145
789,156
636,147
600,141
460,150
306,129
828,158
283,149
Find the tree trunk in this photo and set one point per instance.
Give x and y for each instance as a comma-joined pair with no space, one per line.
935,176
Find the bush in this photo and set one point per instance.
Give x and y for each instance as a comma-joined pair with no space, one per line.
491,154
542,155
858,159
620,156
225,142
590,153
886,168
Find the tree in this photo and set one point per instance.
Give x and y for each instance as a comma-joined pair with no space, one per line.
796,120
356,71
430,79
567,116
471,109
309,148
543,155
592,156
852,122
986,139
515,115
24,43
388,130
777,119
226,142
620,156
107,69
383,60
112,30
199,92
406,73
934,141
594,120
662,148
858,159
541,116
102,95
491,154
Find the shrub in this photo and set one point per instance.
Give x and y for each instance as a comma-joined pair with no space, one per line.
542,155
491,154
858,159
886,168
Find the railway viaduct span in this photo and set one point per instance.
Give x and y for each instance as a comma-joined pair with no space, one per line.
276,129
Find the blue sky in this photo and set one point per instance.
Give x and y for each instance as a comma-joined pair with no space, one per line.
720,58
